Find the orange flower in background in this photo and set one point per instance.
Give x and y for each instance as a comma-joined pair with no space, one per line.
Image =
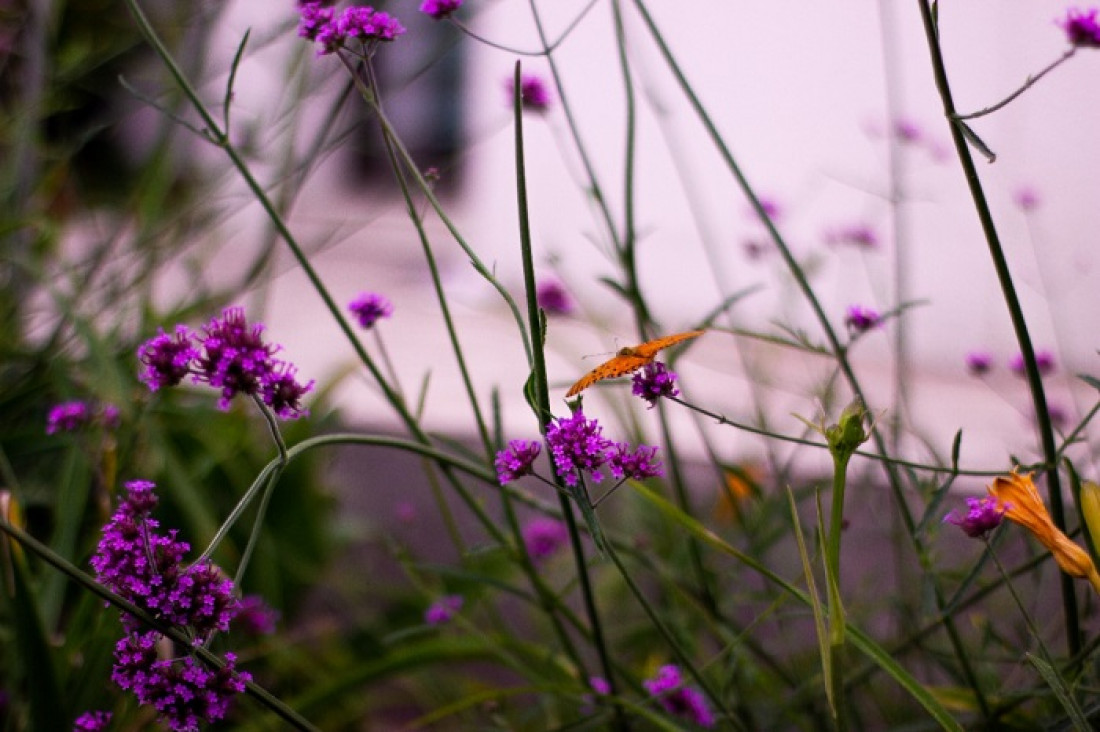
1023,505
741,484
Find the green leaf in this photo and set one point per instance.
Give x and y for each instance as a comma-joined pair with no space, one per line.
815,602
973,139
34,653
1058,685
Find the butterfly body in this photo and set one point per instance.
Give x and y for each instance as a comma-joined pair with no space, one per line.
629,359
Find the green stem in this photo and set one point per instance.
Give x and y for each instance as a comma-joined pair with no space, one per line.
540,400
1015,312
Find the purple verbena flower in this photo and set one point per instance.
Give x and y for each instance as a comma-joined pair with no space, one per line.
146,568
234,356
984,515
184,692
167,358
771,207
860,319
552,297
599,685
68,417
440,9
314,18
95,721
369,307
534,95
654,381
978,362
283,393
543,537
516,460
1081,28
1044,361
442,610
638,464
255,616
677,699
577,444
366,24
859,235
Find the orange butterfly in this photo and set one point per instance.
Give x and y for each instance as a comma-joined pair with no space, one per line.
629,359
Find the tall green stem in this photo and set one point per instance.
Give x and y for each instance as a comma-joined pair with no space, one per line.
1015,311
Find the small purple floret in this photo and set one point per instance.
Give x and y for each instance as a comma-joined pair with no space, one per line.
516,460
442,610
552,297
639,464
979,362
369,307
1044,362
983,516
1082,28
96,721
543,537
68,417
653,382
860,319
677,699
440,9
533,93
167,358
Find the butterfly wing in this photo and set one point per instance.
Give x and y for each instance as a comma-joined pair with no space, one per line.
649,349
617,366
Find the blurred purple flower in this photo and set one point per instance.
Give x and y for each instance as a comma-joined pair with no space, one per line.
516,460
552,297
677,699
858,235
653,382
440,9
984,515
1026,198
1044,361
68,417
907,130
369,307
92,722
362,22
442,610
534,95
544,536
978,362
1081,27
860,319
255,616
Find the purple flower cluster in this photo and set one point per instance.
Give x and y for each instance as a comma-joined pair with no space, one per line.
516,460
1081,28
146,567
331,33
577,445
76,415
369,307
230,355
92,722
677,699
440,9
543,537
184,692
552,297
534,96
860,319
442,610
653,382
983,516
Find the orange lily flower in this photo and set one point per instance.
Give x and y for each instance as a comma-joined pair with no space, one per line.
1022,504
